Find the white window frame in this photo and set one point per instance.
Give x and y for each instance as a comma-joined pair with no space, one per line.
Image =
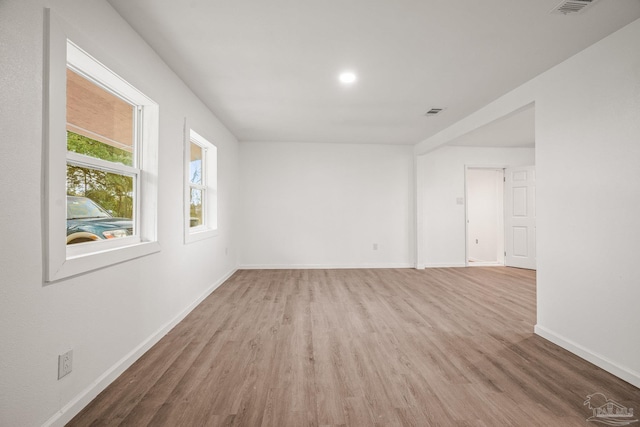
209,228
64,261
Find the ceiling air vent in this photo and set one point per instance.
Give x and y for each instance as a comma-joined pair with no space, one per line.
433,112
569,7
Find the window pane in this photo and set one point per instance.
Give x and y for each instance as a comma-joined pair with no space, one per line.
90,147
99,124
195,164
195,208
99,205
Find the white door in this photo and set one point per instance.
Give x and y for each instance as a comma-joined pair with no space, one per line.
520,217
485,216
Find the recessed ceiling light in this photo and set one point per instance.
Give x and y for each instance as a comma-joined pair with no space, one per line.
347,77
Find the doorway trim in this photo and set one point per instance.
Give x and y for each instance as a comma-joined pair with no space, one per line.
500,227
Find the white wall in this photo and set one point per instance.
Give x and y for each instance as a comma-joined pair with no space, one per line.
588,203
587,198
484,208
108,317
325,205
441,181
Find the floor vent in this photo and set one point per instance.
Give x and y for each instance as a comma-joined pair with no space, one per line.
570,7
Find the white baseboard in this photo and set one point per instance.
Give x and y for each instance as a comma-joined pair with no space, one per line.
486,264
621,372
320,266
71,409
446,265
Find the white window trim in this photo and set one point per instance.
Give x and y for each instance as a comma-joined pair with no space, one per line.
62,261
210,208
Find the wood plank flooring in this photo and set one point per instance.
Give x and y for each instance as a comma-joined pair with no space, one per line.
402,347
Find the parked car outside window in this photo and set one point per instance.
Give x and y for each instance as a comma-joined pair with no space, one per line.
87,221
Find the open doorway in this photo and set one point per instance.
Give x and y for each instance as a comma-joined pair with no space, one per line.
485,216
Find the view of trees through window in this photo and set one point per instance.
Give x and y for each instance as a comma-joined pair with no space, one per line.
114,192
197,185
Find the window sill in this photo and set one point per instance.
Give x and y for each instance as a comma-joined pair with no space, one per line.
198,235
80,264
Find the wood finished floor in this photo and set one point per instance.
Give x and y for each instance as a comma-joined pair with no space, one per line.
441,347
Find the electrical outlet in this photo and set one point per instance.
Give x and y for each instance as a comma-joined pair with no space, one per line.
375,246
65,363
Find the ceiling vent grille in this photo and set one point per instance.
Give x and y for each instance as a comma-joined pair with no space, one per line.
570,7
433,112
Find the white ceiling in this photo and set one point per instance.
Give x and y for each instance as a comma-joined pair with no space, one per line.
268,69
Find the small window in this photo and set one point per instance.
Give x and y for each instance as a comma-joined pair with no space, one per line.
101,140
201,200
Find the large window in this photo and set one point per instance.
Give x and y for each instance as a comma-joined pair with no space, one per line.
102,162
101,171
201,199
